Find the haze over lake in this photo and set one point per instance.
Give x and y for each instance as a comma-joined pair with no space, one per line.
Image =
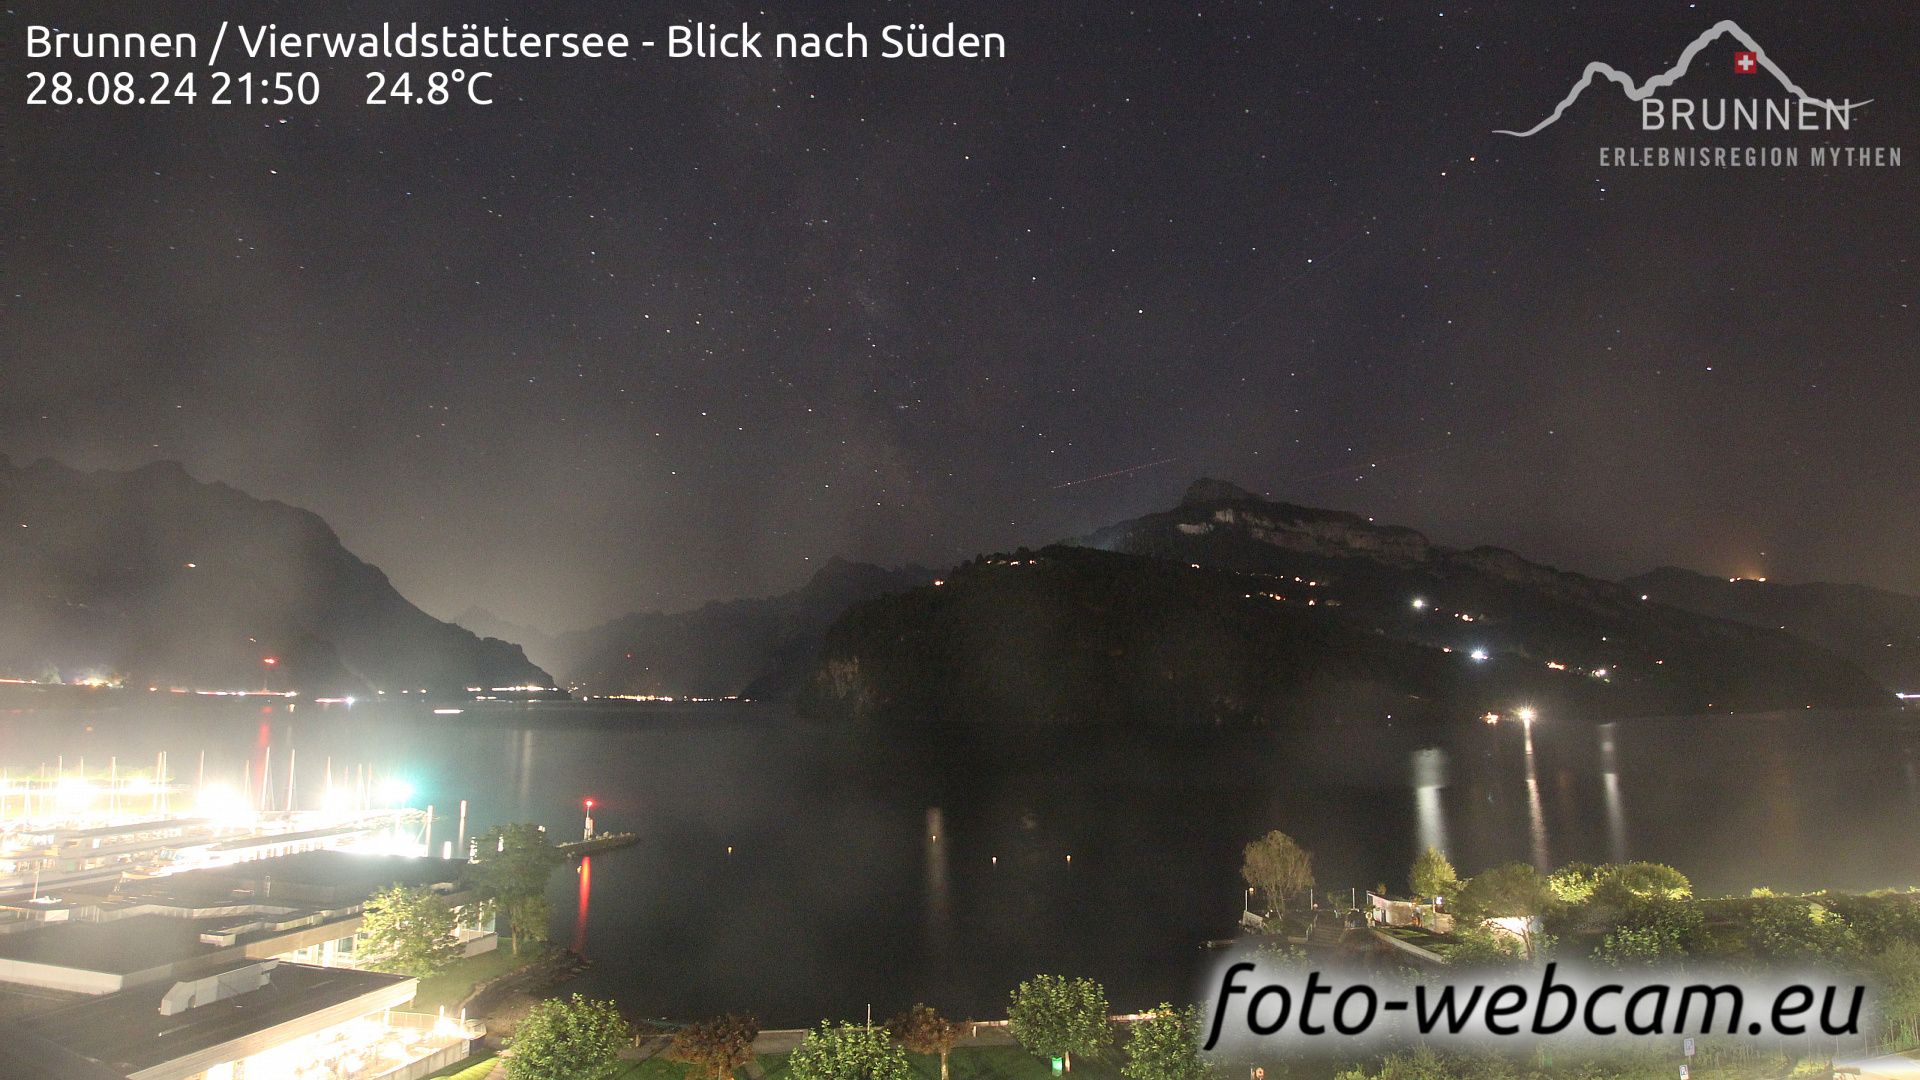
799,870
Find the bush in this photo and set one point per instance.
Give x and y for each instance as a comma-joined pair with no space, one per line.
714,1048
1165,1046
1794,929
849,1052
1477,948
1653,930
574,1039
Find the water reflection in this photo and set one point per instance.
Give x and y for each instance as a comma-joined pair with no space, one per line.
939,900
1429,767
523,768
1536,817
1610,795
584,904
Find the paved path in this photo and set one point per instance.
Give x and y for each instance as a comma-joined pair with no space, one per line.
784,1040
1884,1067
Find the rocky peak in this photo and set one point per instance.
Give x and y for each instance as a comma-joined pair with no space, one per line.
1208,490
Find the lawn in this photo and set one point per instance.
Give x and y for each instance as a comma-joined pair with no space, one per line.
1011,1063
471,1069
970,1063
451,986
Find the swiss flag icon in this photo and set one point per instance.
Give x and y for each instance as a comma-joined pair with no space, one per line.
1746,63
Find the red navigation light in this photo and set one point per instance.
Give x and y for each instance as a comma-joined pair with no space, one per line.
589,804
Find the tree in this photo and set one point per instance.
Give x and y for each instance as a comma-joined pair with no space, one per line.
408,931
714,1048
1896,970
573,1039
511,866
1432,875
1575,882
849,1052
1515,890
1166,1046
1649,881
1278,867
1614,885
1053,1016
924,1031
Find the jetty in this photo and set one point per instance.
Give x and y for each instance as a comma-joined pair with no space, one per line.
602,842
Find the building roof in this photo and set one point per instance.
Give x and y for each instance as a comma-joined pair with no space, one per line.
154,825
119,946
179,923
320,877
125,1031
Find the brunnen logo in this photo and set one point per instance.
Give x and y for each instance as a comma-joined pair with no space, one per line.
1794,110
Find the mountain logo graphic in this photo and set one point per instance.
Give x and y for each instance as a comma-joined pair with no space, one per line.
1750,60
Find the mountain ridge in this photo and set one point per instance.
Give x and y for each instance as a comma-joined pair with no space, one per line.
154,577
1233,608
1878,629
757,647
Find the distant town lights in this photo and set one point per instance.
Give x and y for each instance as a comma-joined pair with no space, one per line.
1479,656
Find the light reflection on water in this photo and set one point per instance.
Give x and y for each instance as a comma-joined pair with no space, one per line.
1536,817
889,866
1429,769
1610,789
584,904
939,899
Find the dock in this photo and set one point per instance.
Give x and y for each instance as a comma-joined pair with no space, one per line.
603,842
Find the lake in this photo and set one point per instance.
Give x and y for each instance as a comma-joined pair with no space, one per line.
799,870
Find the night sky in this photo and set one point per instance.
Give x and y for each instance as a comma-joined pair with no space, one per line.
645,333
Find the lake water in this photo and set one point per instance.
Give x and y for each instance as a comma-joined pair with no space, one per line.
798,870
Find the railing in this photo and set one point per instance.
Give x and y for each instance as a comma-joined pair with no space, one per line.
439,1022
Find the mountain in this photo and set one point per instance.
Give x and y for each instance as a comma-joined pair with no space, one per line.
1231,608
538,644
758,648
1876,629
158,579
